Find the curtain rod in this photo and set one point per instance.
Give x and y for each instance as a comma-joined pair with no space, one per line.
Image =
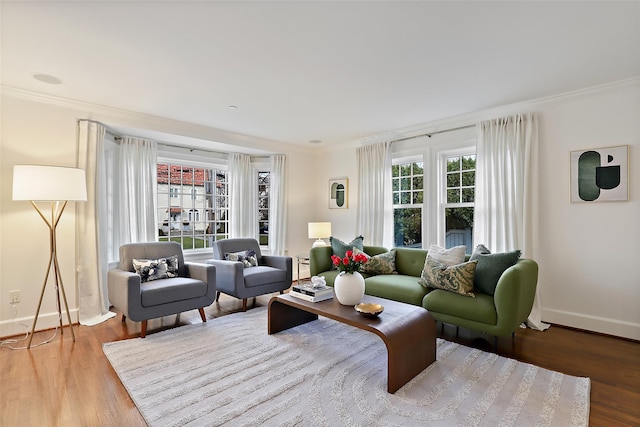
436,132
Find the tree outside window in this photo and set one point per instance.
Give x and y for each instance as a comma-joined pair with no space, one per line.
408,195
460,197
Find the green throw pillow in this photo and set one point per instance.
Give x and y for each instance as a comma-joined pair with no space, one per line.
340,248
490,267
453,278
384,263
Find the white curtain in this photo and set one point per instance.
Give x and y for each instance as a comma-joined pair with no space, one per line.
243,198
135,184
506,191
375,204
91,250
278,204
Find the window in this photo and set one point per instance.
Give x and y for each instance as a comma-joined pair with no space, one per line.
263,207
407,188
193,204
459,196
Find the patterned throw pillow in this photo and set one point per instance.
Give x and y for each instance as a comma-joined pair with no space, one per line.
154,269
454,278
490,267
248,258
451,256
340,248
384,263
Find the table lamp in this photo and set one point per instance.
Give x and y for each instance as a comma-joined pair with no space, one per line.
57,185
319,230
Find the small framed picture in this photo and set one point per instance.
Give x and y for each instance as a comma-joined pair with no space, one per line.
339,193
600,175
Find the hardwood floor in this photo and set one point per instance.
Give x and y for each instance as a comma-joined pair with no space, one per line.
67,384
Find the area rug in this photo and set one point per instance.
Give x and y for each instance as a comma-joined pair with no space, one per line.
228,371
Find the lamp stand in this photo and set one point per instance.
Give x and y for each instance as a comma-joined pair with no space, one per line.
56,213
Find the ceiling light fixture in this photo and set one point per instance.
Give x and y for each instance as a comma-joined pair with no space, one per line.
232,107
46,78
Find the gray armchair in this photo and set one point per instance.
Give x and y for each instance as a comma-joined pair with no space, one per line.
194,287
272,274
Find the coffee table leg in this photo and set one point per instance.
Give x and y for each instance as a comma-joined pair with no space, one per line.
410,350
283,316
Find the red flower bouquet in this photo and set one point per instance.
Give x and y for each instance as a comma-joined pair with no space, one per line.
350,263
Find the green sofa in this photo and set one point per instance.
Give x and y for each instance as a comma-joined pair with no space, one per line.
499,314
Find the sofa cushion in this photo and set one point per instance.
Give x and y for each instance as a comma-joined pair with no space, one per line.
263,275
248,258
410,261
479,309
490,268
156,269
396,287
454,278
340,248
171,290
384,263
451,256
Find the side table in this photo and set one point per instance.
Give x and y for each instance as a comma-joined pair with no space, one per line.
303,259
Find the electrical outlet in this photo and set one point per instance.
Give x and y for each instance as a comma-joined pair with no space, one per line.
14,297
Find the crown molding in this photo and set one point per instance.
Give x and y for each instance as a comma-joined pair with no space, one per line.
490,113
134,123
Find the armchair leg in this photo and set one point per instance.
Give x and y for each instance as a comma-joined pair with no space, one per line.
281,292
202,316
217,296
123,317
143,329
244,304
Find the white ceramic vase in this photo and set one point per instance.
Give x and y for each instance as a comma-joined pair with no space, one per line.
349,288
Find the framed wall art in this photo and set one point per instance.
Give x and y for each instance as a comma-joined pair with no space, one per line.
339,193
600,175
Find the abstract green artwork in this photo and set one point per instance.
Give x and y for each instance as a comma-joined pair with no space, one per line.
600,174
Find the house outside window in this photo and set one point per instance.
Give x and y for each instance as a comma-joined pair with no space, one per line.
193,204
458,199
408,196
263,206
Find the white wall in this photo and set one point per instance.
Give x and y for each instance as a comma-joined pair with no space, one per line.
587,253
589,273
589,276
43,131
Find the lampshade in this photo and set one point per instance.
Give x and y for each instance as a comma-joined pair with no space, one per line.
319,230
50,183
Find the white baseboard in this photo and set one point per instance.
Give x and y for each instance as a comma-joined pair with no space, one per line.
20,325
587,322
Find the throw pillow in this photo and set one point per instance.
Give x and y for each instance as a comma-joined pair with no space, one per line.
490,267
453,278
155,269
248,258
340,248
451,256
384,263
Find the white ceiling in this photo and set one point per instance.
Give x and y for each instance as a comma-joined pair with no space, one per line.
299,71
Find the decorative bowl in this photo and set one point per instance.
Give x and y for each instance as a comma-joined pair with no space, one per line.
369,309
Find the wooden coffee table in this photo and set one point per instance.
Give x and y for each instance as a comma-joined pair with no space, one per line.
408,331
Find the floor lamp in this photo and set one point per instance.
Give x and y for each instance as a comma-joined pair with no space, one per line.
56,185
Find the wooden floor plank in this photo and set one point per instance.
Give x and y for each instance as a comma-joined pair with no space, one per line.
67,384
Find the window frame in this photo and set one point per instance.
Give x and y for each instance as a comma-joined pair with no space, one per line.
430,149
443,203
402,160
175,159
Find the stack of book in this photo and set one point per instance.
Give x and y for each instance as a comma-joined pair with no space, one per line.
308,292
